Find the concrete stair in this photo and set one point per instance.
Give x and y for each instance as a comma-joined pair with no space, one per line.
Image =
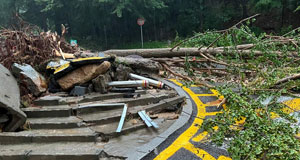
63,131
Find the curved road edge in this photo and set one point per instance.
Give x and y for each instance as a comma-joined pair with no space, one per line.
184,117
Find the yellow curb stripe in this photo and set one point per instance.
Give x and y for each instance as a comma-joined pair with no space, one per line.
199,152
183,140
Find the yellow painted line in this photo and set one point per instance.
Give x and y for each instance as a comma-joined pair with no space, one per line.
199,152
203,136
183,141
293,106
200,137
205,95
224,158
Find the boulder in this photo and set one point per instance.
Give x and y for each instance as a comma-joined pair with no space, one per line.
122,73
140,65
30,79
10,101
83,75
100,83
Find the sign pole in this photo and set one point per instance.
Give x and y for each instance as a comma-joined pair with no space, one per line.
142,37
141,22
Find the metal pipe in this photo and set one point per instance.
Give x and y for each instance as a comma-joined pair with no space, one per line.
121,123
151,81
140,83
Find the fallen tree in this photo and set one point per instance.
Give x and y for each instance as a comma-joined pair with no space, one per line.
258,65
182,52
28,44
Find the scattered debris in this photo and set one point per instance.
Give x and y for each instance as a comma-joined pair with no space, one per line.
167,116
147,119
30,79
45,64
29,45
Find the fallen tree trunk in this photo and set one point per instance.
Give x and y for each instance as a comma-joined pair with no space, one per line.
290,78
166,53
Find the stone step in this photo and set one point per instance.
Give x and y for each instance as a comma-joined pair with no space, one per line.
99,97
131,102
37,112
109,130
51,151
106,117
49,135
55,123
57,100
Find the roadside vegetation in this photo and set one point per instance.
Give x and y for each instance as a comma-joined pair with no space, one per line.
257,67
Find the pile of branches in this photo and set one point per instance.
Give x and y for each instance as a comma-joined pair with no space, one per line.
28,44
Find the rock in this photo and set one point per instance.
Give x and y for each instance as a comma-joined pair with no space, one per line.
140,65
122,73
100,83
78,91
83,75
85,54
30,79
10,100
90,88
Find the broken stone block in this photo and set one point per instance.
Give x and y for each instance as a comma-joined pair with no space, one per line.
30,79
100,83
140,65
10,100
122,73
78,91
83,75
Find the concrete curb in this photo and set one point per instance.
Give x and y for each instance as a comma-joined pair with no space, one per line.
183,119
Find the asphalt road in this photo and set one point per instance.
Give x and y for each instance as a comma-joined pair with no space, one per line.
188,143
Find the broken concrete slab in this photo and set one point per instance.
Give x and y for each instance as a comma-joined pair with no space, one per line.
83,75
30,78
140,66
10,100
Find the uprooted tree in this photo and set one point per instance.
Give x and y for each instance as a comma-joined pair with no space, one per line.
26,43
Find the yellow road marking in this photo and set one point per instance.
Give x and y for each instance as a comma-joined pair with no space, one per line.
183,141
199,152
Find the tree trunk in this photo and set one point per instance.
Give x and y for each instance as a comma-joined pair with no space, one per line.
167,53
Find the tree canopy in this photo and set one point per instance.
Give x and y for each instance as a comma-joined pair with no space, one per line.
113,22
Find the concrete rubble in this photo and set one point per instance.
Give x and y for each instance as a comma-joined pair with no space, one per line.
10,102
30,78
72,105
